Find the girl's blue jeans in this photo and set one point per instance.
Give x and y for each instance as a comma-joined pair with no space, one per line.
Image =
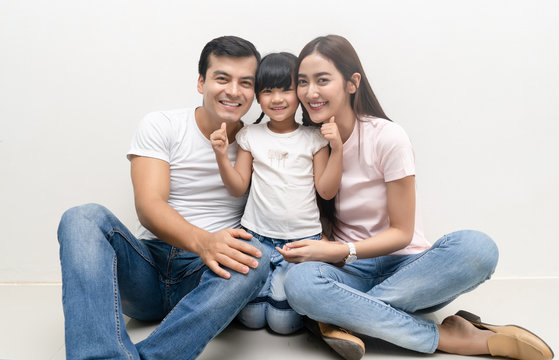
270,306
107,272
381,297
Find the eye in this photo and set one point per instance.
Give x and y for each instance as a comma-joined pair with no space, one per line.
247,84
301,82
266,91
323,81
221,79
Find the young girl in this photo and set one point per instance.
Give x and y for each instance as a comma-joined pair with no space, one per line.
290,161
398,274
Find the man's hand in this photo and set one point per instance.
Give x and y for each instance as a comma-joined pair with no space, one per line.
224,249
219,140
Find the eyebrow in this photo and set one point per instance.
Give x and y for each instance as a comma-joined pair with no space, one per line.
221,72
315,75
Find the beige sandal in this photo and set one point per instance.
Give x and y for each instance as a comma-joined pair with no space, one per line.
511,340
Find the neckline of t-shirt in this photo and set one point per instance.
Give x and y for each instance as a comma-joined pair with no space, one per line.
201,134
287,134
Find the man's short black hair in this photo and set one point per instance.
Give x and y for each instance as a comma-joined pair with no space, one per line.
226,46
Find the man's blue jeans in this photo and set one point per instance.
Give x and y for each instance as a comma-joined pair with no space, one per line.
382,297
106,272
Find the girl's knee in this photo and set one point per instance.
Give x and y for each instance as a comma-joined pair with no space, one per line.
253,316
283,321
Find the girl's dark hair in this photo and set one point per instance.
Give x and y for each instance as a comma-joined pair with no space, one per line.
363,102
344,57
276,70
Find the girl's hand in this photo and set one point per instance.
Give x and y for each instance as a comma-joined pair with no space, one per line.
330,132
313,250
219,140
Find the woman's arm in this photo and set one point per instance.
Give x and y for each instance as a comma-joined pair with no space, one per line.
401,211
237,178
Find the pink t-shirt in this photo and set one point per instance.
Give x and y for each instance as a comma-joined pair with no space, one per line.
377,151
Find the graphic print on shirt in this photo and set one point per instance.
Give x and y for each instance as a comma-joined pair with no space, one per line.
277,158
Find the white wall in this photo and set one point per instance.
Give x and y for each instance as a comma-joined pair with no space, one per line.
475,84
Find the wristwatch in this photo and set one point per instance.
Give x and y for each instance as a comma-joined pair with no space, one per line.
352,254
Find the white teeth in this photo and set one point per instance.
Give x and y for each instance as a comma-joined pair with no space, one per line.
230,103
315,105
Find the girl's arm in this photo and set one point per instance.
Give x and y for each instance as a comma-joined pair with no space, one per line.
328,169
401,211
237,178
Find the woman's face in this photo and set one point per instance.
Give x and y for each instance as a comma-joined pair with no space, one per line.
322,89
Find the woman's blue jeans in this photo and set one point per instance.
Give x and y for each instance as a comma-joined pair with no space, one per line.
106,272
270,307
382,297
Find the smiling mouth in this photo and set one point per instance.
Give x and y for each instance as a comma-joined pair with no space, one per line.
317,105
279,108
228,103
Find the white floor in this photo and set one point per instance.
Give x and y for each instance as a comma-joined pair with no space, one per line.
32,326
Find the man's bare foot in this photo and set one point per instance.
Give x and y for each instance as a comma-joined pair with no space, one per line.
459,336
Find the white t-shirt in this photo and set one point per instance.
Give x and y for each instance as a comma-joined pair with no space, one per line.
377,151
197,191
282,201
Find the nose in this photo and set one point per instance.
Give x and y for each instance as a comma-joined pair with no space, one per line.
276,97
232,89
312,90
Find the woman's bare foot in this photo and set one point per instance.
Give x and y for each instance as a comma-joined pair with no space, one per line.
459,336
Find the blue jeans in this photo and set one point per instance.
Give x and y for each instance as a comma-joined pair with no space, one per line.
107,272
381,297
271,306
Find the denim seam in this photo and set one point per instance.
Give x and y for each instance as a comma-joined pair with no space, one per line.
116,231
117,317
376,303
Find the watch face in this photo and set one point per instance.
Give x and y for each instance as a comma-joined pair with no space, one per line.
350,259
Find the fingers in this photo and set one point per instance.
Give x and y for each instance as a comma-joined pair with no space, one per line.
219,139
331,133
240,233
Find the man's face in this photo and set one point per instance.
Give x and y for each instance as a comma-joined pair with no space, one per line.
228,89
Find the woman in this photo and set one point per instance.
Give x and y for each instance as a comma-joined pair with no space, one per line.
390,273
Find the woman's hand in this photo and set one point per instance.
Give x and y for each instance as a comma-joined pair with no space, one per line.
312,250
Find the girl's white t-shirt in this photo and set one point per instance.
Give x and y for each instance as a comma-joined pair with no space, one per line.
377,151
282,201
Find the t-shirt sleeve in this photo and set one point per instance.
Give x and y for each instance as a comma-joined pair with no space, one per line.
318,142
395,153
242,138
152,138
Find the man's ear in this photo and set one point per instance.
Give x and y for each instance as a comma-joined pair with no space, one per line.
354,82
200,86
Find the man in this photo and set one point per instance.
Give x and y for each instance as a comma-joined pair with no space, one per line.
191,267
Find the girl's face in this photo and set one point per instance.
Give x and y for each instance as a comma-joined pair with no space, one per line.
279,104
322,89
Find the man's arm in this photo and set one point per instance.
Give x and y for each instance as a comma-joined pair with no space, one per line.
151,182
